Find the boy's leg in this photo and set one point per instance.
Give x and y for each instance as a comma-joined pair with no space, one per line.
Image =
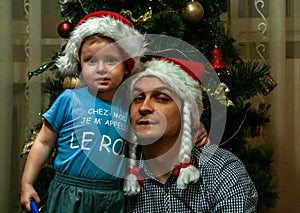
72,194
109,201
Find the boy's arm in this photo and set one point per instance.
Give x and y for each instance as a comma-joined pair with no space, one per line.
38,155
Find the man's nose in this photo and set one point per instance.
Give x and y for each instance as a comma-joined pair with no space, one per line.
146,106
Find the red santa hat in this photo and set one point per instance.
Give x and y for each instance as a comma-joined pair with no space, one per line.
108,24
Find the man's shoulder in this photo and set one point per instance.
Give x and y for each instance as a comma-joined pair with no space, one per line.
214,155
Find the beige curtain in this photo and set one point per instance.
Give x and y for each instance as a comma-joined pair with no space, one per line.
28,39
269,30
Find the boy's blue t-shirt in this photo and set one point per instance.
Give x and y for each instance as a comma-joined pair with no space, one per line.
88,144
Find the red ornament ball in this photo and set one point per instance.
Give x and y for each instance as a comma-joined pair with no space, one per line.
64,29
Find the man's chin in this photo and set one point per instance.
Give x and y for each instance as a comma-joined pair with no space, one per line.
147,138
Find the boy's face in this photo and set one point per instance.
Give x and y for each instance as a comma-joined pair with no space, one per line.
155,110
102,67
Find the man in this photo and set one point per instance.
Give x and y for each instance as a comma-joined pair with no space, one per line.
172,175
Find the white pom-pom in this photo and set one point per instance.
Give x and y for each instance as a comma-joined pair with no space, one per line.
131,185
187,175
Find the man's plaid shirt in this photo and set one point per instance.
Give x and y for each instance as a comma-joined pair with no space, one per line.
224,186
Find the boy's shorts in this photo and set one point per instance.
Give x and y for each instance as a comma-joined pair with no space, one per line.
68,194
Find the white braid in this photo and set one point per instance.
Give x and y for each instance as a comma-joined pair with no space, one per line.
190,173
131,185
132,154
186,141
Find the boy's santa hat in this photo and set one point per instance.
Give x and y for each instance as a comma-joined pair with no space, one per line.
183,77
108,24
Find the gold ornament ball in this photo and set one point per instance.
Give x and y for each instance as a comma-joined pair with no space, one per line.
71,83
193,12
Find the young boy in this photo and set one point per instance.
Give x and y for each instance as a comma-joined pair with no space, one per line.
103,49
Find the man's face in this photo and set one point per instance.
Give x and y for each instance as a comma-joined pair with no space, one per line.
155,110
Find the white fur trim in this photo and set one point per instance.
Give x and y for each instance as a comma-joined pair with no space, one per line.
131,185
127,37
187,175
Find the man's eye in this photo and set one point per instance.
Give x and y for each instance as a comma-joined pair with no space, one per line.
162,99
138,99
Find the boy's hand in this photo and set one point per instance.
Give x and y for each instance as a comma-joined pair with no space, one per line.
28,193
202,138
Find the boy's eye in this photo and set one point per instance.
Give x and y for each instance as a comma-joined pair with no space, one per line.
111,61
92,60
108,61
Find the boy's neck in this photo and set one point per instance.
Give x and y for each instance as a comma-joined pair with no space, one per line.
106,96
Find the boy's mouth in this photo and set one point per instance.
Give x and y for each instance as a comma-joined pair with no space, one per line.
102,80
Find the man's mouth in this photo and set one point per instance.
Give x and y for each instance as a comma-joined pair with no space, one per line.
146,122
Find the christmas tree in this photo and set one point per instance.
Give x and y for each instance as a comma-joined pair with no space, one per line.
200,24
